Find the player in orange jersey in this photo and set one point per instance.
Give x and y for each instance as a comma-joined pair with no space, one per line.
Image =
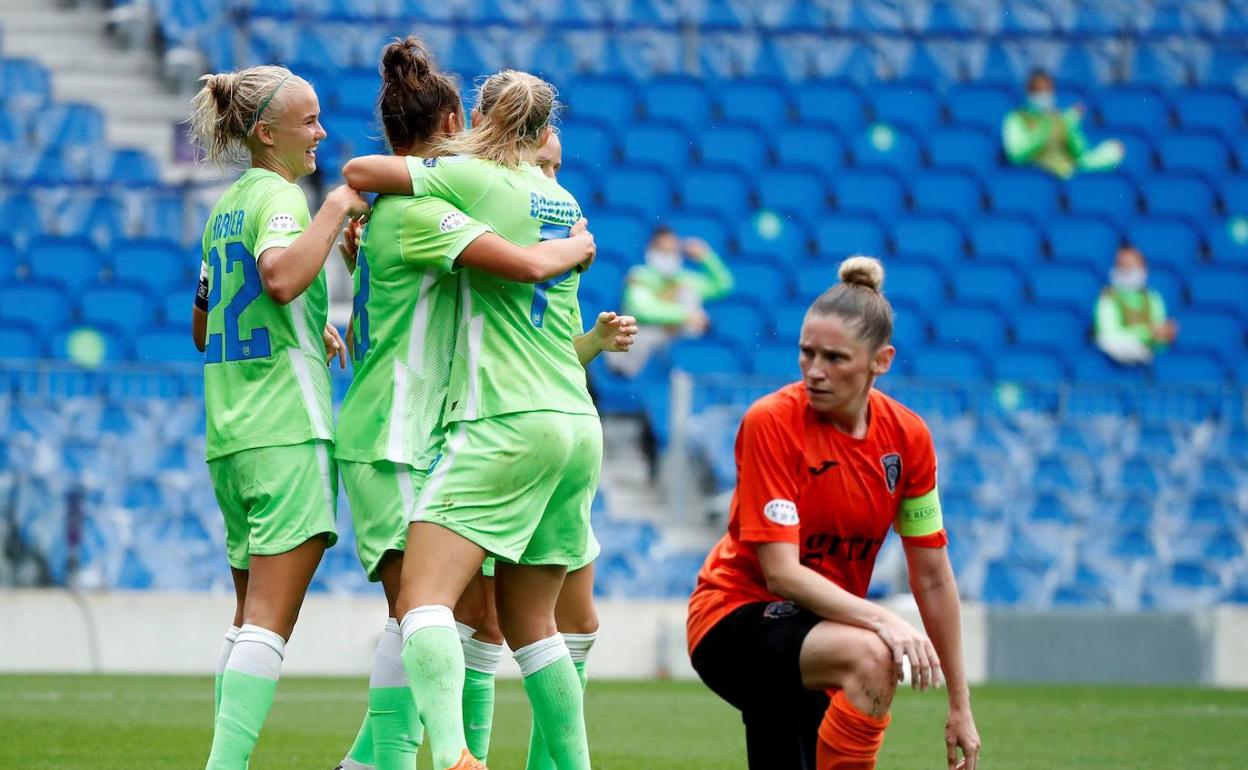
778,621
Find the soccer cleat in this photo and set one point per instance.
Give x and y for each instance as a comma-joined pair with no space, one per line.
468,762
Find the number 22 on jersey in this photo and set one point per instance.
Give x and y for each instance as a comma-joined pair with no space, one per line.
231,346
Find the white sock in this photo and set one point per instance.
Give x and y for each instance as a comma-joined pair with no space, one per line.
257,652
579,645
227,646
482,657
388,659
537,656
430,615
465,631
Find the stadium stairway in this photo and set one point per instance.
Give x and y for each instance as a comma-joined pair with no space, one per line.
87,66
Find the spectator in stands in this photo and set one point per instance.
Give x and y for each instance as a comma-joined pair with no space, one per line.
1131,323
666,297
1040,134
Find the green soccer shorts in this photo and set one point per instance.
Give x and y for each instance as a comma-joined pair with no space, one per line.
383,497
520,486
274,499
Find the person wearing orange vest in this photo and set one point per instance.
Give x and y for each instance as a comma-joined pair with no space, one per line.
1131,323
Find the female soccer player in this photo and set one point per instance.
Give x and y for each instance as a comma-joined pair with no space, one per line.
824,467
524,444
407,287
266,387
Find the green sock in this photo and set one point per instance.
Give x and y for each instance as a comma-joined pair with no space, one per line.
478,711
554,691
245,702
434,660
362,750
539,753
247,688
396,729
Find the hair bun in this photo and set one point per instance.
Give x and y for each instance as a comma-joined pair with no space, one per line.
404,58
221,86
863,271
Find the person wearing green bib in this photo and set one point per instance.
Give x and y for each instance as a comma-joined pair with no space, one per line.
261,323
408,275
523,443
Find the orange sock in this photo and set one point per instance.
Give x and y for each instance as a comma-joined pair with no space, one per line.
848,738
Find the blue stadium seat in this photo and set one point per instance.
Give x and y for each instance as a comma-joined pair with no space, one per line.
979,105
1187,196
834,104
12,264
784,237
809,282
720,190
1174,368
581,183
1212,332
1051,328
1088,240
24,82
905,103
841,235
740,147
680,99
969,149
604,281
1028,192
997,285
71,262
586,143
1138,107
608,99
646,190
114,346
877,193
355,89
910,329
810,147
1166,241
1140,157
71,123
129,166
917,284
1023,365
1005,239
622,233
1107,195
1219,289
776,360
885,146
980,328
124,309
708,227
1066,285
1234,193
763,281
1228,241
937,238
956,363
1201,153
100,217
947,192
795,191
663,145
22,341
740,319
759,103
1216,110
707,357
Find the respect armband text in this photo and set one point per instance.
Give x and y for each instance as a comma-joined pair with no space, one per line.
919,516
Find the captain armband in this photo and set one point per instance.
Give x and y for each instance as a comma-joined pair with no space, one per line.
920,516
201,291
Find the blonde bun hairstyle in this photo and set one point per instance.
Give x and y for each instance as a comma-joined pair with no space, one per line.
859,300
230,105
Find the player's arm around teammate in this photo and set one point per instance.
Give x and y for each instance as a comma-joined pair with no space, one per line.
266,387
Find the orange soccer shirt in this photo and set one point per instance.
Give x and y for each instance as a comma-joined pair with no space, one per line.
801,481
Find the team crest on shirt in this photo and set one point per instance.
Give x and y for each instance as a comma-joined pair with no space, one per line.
282,223
892,470
452,221
430,162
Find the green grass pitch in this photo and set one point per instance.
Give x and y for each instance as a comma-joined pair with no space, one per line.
111,722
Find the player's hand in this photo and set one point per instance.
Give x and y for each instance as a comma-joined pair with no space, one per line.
334,346
350,200
350,246
615,333
960,733
910,644
696,249
580,232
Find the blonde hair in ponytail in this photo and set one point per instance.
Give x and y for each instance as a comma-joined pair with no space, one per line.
515,108
228,107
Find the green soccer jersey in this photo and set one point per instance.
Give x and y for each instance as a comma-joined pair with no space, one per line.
406,315
265,379
514,352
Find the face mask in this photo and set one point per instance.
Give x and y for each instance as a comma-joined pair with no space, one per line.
1129,278
665,263
1043,101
